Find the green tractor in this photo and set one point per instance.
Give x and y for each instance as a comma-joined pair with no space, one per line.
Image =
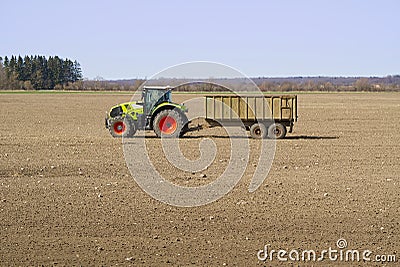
155,111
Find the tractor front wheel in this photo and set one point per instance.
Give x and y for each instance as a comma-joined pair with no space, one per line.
122,127
168,123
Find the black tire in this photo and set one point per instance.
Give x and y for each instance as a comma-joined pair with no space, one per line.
276,131
258,131
168,124
122,127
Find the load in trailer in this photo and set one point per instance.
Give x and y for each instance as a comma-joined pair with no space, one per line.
263,116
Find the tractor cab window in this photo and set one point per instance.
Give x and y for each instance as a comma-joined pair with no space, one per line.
155,97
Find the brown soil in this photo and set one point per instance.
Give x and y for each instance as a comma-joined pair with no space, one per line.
67,197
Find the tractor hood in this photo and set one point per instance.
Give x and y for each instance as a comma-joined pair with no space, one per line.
127,107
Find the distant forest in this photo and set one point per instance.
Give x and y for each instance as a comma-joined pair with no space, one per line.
38,72
41,73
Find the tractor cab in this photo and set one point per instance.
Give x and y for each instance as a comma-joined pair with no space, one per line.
152,96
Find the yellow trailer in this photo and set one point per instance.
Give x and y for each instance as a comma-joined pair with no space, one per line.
263,116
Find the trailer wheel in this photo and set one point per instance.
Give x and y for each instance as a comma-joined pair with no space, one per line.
276,131
168,123
258,131
122,127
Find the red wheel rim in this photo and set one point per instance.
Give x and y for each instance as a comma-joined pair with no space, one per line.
119,127
168,125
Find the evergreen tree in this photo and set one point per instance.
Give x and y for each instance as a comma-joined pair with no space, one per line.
77,71
6,62
12,65
28,68
20,69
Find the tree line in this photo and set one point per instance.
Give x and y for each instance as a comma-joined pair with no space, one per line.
330,84
38,72
265,84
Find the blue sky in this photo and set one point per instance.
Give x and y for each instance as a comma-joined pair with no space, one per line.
130,39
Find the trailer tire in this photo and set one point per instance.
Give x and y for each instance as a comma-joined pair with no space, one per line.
276,131
258,131
122,127
168,124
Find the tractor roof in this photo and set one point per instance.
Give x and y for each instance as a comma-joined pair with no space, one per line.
157,87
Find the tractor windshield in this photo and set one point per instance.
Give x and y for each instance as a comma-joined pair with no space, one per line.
154,97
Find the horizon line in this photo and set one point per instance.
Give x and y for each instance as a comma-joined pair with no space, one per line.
249,77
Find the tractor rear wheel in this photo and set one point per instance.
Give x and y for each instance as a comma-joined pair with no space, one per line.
168,123
122,127
276,131
258,131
